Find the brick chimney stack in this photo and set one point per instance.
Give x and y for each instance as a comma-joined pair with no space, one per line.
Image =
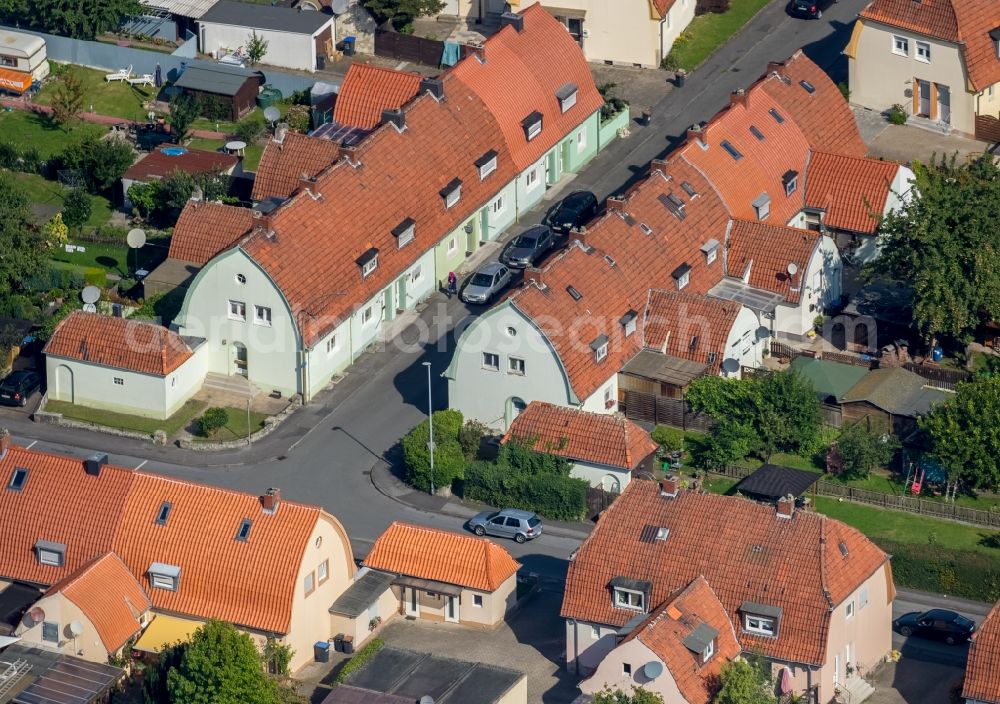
615,204
659,165
669,486
778,68
739,97
269,501
785,506
695,132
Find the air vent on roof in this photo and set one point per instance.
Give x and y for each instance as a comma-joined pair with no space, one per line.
512,19
731,150
777,116
395,117
434,86
809,87
574,293
689,189
17,479
674,204
646,229
92,465
756,133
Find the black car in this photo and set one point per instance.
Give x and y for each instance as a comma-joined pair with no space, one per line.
939,624
18,387
810,9
578,208
528,248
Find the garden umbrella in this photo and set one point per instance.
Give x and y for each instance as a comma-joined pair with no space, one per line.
158,78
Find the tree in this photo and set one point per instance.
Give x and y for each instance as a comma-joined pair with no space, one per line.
744,682
77,207
213,419
100,162
256,48
449,457
638,695
862,450
67,100
184,109
298,118
402,12
23,252
965,434
55,232
84,20
945,246
220,666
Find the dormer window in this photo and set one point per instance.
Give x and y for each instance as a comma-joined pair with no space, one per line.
404,232
452,193
760,619
701,642
163,576
17,479
164,513
600,348
995,36
630,594
711,250
243,534
50,553
682,275
532,125
628,322
628,599
790,181
368,262
762,206
486,164
566,97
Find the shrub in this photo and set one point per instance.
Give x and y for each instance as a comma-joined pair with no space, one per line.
449,458
92,276
213,419
126,285
359,660
929,568
862,450
213,107
667,437
471,436
670,62
298,118
897,114
844,90
8,155
249,129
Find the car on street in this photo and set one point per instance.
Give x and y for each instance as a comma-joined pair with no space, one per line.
508,523
528,248
937,624
486,283
17,387
576,209
810,9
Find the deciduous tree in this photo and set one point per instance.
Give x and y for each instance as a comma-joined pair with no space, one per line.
67,99
184,110
862,450
77,207
22,247
965,433
80,19
256,48
638,695
402,12
744,682
449,458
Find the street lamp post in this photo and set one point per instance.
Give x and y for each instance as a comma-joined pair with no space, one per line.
430,423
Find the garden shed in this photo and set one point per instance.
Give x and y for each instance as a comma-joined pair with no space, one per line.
236,87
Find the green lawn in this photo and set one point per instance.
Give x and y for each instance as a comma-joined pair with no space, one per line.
252,153
52,193
236,428
127,422
708,32
116,98
224,126
25,128
116,259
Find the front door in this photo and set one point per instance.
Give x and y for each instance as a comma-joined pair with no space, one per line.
470,237
925,98
240,365
944,104
836,670
411,601
387,306
451,609
401,293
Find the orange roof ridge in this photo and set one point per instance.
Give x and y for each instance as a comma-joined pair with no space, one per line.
982,673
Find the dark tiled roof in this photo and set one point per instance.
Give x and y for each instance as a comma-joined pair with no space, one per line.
157,164
266,16
773,481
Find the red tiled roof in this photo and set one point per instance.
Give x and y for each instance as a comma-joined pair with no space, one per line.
935,18
662,6
675,319
359,205
521,75
251,583
824,117
852,191
441,556
601,438
283,166
204,229
368,90
156,164
982,671
744,551
108,595
121,343
673,621
768,250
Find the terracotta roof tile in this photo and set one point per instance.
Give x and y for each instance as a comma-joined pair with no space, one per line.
442,556
744,551
205,229
251,583
663,6
852,191
673,621
982,671
157,164
283,165
109,596
601,438
368,90
121,343
824,117
768,250
976,19
935,18
521,75
689,326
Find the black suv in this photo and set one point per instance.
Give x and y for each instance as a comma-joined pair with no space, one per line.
578,208
810,9
18,387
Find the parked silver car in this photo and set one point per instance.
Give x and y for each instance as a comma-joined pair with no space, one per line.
508,523
486,283
528,248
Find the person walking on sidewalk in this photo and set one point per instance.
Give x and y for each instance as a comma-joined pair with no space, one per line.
452,283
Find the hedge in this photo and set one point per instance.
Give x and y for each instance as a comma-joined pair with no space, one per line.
550,495
359,660
932,568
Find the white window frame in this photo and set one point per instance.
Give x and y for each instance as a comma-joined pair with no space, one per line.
761,625
747,342
684,280
367,315
237,310
452,244
626,669
581,140
601,353
416,273
533,130
406,236
477,601
628,595
50,558
791,186
262,316
898,50
531,179
708,652
595,632
309,583
453,197
369,267
515,365
711,255
923,52
241,279
162,581
322,572
498,205
487,168
607,395
489,357
331,345
567,103
849,610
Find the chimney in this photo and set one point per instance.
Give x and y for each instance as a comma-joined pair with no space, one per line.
778,68
513,19
739,97
92,465
669,486
396,117
280,130
4,442
269,501
695,132
535,274
581,236
434,86
785,506
658,166
479,52
616,204
351,153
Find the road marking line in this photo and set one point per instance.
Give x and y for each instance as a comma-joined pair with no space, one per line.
141,464
33,442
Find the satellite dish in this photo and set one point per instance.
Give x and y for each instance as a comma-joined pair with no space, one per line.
792,269
730,366
652,669
136,238
76,628
272,114
89,308
91,294
37,614
427,699
338,7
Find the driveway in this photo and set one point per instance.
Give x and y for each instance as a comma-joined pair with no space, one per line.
531,642
912,681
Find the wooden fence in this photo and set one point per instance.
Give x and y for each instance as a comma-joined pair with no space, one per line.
661,410
895,502
987,128
944,378
407,47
